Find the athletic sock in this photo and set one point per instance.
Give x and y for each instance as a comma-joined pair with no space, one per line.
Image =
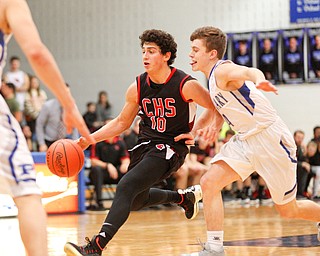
174,197
215,240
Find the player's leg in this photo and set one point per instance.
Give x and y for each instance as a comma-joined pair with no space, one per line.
301,209
212,182
139,179
32,222
20,178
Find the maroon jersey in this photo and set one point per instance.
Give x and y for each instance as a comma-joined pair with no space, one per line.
164,112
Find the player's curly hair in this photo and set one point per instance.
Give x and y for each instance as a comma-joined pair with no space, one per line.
164,40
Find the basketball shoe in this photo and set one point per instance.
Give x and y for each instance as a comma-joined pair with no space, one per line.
206,251
190,200
92,248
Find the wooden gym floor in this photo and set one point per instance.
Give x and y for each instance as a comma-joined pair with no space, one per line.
248,231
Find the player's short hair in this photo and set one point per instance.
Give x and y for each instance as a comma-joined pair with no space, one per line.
164,40
214,39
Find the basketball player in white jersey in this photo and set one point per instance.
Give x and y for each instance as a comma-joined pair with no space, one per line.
17,176
263,143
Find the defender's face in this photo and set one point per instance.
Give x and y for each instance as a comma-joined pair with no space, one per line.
199,56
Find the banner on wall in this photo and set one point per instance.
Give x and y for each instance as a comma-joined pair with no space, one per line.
303,11
292,45
267,54
313,46
242,48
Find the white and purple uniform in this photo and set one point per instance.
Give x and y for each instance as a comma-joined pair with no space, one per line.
263,143
17,174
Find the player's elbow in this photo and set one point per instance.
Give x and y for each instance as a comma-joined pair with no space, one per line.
38,55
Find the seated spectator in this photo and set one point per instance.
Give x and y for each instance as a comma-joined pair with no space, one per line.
303,167
312,153
50,126
109,163
225,135
90,117
8,92
34,99
260,193
103,108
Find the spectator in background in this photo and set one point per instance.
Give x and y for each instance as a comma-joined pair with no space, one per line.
315,56
109,162
19,78
34,100
242,56
293,59
303,167
313,155
268,60
90,117
103,109
50,126
8,91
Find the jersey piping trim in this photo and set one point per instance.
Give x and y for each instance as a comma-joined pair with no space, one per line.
181,86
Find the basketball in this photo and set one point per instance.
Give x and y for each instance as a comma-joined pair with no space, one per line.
65,158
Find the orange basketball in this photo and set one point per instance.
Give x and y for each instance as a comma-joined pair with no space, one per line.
65,158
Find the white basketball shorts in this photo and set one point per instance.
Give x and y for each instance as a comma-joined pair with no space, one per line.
17,174
271,153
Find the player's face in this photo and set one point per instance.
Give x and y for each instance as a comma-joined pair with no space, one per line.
152,58
199,56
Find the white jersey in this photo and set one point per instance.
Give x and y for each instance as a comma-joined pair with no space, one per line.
263,144
4,39
246,110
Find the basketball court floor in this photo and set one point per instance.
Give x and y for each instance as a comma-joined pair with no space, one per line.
249,231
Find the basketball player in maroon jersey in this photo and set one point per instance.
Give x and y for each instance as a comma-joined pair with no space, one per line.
165,98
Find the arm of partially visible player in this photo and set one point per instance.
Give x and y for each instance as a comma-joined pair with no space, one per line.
232,76
26,34
119,124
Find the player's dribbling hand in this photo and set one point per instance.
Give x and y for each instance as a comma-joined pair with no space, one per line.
73,119
83,143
